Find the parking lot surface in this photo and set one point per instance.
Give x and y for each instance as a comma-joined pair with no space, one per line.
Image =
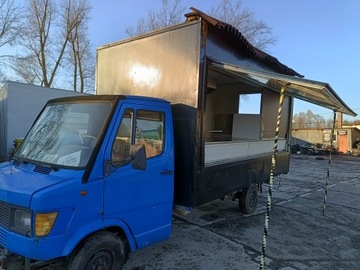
300,236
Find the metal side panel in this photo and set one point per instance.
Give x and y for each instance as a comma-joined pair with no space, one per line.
218,181
184,119
162,64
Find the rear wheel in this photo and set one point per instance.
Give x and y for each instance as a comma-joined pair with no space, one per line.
248,199
103,251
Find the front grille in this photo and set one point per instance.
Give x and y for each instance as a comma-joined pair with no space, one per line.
3,234
7,215
4,222
4,215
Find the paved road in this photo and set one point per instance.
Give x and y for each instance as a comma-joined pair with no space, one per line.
217,236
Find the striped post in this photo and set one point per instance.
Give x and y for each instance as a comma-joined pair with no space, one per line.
329,164
272,172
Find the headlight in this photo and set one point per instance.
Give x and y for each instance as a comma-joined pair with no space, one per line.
22,221
44,223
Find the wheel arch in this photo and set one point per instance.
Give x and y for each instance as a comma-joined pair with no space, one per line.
251,178
115,226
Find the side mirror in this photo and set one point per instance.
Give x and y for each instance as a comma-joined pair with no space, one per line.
137,158
138,154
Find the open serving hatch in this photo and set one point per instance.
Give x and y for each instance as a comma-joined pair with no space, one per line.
316,92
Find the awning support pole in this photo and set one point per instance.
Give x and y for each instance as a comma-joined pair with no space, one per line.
272,172
329,164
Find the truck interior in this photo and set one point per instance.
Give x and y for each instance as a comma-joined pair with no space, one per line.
232,134
240,118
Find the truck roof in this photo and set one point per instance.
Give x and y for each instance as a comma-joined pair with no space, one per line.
108,98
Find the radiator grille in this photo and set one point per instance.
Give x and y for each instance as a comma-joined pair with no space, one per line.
4,222
4,215
3,234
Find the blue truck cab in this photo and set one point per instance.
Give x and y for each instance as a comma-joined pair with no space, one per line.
92,180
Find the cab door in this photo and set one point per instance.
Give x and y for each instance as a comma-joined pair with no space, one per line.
141,198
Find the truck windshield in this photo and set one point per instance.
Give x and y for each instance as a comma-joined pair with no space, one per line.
65,134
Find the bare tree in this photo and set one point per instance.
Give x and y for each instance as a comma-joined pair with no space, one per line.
232,12
82,61
299,120
40,20
310,120
171,13
10,28
52,28
10,22
80,55
329,123
27,68
257,32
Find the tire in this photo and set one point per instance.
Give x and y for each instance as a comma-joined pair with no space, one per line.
248,199
103,250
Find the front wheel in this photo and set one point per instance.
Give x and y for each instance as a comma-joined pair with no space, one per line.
103,251
248,199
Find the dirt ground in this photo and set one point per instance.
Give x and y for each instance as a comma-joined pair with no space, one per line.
218,236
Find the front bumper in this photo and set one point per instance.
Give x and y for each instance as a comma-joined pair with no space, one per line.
44,248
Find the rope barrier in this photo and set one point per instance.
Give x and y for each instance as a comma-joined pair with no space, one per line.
329,164
272,172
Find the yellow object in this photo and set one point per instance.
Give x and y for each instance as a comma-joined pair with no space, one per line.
17,143
44,223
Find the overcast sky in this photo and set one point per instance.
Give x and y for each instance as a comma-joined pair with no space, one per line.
320,39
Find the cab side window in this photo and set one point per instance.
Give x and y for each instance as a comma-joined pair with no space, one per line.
150,131
122,142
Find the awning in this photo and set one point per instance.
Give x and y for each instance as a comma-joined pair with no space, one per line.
319,93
